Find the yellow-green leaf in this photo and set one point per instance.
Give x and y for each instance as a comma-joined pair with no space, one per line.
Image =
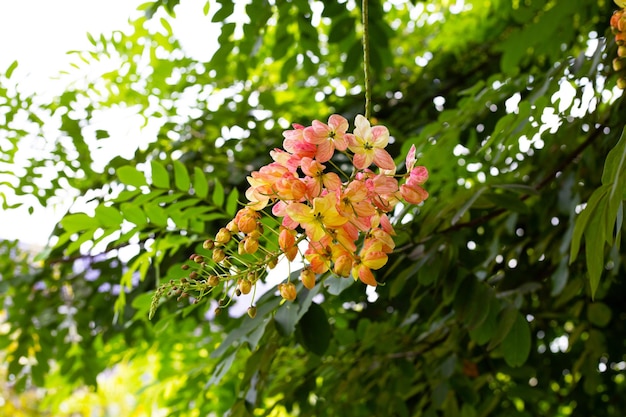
130,175
181,176
160,177
200,184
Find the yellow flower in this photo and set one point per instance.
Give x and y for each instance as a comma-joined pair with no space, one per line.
317,219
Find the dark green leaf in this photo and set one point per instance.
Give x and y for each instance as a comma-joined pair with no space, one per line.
516,344
315,330
599,314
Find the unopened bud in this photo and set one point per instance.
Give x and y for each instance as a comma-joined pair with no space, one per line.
214,281
250,245
308,278
252,311
232,227
223,236
287,291
208,244
218,255
245,286
247,223
343,266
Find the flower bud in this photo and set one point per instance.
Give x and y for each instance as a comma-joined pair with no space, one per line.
343,266
252,311
250,245
232,227
287,291
214,281
247,223
244,286
308,278
223,236
208,244
218,255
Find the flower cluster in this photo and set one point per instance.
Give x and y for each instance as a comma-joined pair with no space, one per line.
338,221
618,26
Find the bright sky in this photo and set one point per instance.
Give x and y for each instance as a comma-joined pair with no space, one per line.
39,33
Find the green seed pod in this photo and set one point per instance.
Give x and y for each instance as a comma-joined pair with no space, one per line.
252,311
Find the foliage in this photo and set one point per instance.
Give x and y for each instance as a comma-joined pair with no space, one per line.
486,306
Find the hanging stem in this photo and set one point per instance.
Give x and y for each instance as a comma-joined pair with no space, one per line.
366,60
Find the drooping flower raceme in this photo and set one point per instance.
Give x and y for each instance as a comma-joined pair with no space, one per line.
340,217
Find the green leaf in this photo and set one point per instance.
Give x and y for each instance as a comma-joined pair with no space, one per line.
10,70
614,165
599,314
341,28
472,303
78,222
516,344
200,184
130,175
315,330
156,214
594,251
108,216
505,322
181,176
160,176
218,193
470,201
232,202
484,332
133,214
583,218
101,134
507,201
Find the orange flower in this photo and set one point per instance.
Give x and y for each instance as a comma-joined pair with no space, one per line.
287,243
315,220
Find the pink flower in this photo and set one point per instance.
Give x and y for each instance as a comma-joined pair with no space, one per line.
295,144
316,178
327,137
410,159
413,193
368,145
418,175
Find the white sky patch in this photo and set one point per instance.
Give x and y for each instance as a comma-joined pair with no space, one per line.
41,32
